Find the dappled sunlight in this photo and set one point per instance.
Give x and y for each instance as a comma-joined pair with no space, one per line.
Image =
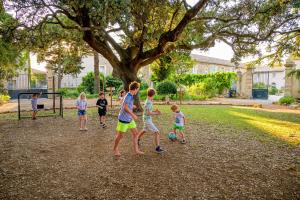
278,110
285,130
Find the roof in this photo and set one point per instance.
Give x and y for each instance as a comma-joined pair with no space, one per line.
37,71
212,60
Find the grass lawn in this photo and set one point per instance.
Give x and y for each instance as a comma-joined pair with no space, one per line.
263,125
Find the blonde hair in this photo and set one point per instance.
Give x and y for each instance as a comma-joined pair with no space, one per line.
174,107
82,94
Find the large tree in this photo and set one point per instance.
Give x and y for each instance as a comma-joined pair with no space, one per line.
148,29
12,56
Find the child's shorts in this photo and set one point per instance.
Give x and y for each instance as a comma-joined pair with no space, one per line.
101,112
150,127
181,128
81,112
124,126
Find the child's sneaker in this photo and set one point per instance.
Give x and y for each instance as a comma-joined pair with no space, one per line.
159,150
183,141
104,126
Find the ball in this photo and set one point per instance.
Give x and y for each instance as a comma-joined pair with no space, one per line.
172,136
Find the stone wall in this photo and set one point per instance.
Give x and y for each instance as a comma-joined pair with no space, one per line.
292,84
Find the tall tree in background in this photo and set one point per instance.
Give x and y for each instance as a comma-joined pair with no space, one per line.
12,56
96,72
147,30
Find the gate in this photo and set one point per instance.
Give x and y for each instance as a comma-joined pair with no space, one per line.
260,84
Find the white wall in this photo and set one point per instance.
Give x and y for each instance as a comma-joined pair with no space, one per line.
71,81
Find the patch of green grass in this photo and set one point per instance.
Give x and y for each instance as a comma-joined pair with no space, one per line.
263,125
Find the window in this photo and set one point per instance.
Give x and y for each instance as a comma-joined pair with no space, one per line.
102,69
195,70
12,84
213,69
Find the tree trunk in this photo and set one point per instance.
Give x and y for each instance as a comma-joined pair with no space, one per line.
96,72
59,78
29,71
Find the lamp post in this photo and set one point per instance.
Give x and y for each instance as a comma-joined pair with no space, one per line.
180,94
111,89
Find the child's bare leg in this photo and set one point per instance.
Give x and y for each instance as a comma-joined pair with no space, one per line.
135,133
80,122
118,138
84,121
181,134
140,135
103,119
157,139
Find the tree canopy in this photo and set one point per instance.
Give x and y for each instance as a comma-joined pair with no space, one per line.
132,34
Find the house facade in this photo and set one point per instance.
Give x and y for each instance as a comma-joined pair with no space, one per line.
21,81
73,81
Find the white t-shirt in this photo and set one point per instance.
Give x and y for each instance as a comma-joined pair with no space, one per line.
179,118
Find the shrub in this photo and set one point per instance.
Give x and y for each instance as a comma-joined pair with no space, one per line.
4,98
203,90
273,90
221,80
259,85
287,100
69,92
166,88
144,85
111,81
87,84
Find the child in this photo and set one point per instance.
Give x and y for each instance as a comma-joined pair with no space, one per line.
126,119
147,118
81,105
34,100
102,108
179,122
121,96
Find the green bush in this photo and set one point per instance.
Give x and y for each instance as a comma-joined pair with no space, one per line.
111,81
273,90
4,98
221,80
69,92
144,85
87,84
143,94
259,85
203,90
287,100
166,88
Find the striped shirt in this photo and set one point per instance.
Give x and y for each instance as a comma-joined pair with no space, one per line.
123,115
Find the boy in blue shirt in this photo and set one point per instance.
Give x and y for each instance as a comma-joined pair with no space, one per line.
126,119
147,118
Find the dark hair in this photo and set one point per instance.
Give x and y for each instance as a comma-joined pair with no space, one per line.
35,94
150,92
101,93
122,91
134,85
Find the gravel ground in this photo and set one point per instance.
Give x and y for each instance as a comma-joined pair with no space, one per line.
50,159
